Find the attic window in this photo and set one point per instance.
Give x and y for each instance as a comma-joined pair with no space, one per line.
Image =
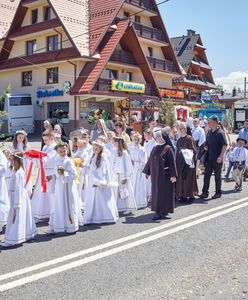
126,14
47,13
34,16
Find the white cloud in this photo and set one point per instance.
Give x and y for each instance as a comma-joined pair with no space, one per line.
233,79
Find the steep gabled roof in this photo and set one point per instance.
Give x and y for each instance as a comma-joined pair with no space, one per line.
101,15
7,12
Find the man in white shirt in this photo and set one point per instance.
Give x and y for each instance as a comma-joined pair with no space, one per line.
199,137
190,121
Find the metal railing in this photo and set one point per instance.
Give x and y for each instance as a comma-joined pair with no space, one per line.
162,65
122,56
149,32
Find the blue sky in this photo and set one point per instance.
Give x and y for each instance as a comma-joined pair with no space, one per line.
223,25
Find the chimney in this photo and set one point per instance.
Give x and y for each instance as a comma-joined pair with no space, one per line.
190,33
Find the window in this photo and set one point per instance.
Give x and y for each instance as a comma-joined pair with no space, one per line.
16,101
47,13
129,76
34,16
150,51
58,111
52,43
109,74
137,19
30,47
52,75
27,78
126,14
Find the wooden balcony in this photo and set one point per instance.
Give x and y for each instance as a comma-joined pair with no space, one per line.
150,33
145,4
162,65
123,57
104,86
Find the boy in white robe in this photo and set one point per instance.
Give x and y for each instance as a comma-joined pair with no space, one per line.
66,216
139,159
4,197
100,202
20,225
42,203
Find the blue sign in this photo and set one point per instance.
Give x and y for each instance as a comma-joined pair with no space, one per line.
46,93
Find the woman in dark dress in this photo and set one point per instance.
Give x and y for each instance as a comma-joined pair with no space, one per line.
162,169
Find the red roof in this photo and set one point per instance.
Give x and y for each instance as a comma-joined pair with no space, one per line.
93,70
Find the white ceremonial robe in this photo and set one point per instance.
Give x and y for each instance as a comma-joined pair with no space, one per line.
42,203
139,159
26,164
21,227
4,197
123,170
148,148
8,175
82,186
66,215
100,202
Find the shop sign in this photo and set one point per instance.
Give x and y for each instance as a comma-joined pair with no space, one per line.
213,106
240,115
172,93
46,93
125,86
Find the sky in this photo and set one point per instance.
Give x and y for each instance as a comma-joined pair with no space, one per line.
223,26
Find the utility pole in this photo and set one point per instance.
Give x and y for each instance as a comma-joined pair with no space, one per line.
245,88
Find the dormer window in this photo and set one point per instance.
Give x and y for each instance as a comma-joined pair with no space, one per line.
52,43
34,16
47,13
30,47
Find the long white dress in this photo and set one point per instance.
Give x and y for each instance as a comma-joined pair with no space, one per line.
66,216
148,148
82,186
139,159
122,167
20,227
100,202
26,164
4,197
42,203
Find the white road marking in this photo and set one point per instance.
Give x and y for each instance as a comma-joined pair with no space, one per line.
115,242
81,262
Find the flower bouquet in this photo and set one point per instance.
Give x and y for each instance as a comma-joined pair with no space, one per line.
61,171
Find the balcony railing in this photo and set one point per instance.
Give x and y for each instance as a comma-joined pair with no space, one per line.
104,85
149,32
162,65
124,57
147,4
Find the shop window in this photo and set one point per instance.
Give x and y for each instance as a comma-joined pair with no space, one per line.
109,74
58,112
27,78
47,13
150,51
137,19
30,47
126,14
129,76
53,43
34,16
52,75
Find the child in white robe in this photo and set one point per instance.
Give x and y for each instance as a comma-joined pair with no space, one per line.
149,144
9,171
139,159
20,225
66,216
122,167
82,154
4,197
21,144
42,203
100,202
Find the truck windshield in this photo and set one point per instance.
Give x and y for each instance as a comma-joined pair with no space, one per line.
16,101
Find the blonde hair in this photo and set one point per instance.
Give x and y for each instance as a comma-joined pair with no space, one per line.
82,142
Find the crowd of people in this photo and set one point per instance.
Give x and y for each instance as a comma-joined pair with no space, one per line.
104,174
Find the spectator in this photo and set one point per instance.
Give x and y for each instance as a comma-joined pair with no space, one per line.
243,134
121,132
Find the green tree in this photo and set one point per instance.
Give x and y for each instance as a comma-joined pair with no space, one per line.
2,101
167,112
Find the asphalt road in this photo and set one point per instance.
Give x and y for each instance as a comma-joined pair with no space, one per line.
200,253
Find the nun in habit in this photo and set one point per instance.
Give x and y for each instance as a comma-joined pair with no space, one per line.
162,169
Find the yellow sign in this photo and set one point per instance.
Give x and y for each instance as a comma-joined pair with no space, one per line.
125,86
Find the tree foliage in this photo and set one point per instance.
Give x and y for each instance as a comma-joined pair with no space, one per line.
167,112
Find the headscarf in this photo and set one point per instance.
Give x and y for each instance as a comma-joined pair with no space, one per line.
104,127
166,138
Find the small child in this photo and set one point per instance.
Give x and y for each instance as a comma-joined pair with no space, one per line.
240,163
230,157
104,140
20,225
110,141
66,201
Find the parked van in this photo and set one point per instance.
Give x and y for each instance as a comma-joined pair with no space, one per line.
19,114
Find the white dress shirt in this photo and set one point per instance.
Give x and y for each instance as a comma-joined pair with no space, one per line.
241,154
198,134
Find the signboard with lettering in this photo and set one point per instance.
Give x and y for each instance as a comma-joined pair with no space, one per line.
46,93
171,93
131,87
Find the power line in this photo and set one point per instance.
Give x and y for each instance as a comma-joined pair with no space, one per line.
21,57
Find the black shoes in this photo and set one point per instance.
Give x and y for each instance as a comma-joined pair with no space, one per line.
158,217
216,196
203,196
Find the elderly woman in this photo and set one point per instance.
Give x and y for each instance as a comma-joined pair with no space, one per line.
99,129
162,169
185,160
